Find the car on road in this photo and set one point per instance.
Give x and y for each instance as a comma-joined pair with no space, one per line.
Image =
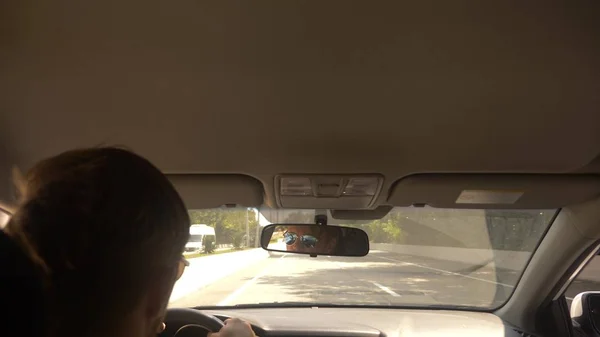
199,235
462,137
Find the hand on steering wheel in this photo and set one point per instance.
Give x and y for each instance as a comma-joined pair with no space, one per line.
194,323
234,327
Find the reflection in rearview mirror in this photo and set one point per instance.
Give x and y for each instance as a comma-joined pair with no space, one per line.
315,239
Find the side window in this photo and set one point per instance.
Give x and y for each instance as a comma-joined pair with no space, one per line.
4,216
587,280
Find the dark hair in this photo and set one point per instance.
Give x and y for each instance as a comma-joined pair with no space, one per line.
102,223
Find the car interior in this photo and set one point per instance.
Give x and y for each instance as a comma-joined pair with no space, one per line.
461,105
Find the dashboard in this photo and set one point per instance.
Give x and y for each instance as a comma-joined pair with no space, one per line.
363,322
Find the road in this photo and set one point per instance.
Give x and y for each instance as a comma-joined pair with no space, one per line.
207,270
381,278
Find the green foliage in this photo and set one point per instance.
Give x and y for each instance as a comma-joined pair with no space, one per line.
229,224
236,240
209,244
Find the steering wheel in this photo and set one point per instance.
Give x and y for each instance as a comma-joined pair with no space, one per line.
184,322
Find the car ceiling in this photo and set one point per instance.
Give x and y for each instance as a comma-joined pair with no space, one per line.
272,87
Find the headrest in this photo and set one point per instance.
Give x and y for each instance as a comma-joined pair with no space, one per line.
200,191
495,191
22,306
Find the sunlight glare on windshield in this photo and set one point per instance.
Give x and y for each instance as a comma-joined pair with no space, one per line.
418,257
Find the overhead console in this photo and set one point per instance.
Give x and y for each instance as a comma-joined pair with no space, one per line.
328,191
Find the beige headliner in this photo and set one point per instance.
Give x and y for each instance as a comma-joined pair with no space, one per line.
290,87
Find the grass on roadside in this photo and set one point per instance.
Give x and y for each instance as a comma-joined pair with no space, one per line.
195,255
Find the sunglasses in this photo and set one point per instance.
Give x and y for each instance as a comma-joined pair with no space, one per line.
181,266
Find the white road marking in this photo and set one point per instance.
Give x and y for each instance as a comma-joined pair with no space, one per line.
248,283
447,272
386,289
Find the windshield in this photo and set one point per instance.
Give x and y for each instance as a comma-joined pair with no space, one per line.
418,257
196,237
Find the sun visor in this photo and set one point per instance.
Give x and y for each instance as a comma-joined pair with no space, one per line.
494,191
215,190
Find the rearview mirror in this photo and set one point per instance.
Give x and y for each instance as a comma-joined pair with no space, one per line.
315,240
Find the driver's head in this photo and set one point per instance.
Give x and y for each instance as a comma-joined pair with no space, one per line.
326,236
108,229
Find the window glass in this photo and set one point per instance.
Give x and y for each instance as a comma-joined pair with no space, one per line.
587,280
4,216
423,257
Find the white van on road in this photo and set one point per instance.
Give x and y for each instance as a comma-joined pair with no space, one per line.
198,234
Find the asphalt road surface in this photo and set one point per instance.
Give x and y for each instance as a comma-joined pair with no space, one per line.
381,278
